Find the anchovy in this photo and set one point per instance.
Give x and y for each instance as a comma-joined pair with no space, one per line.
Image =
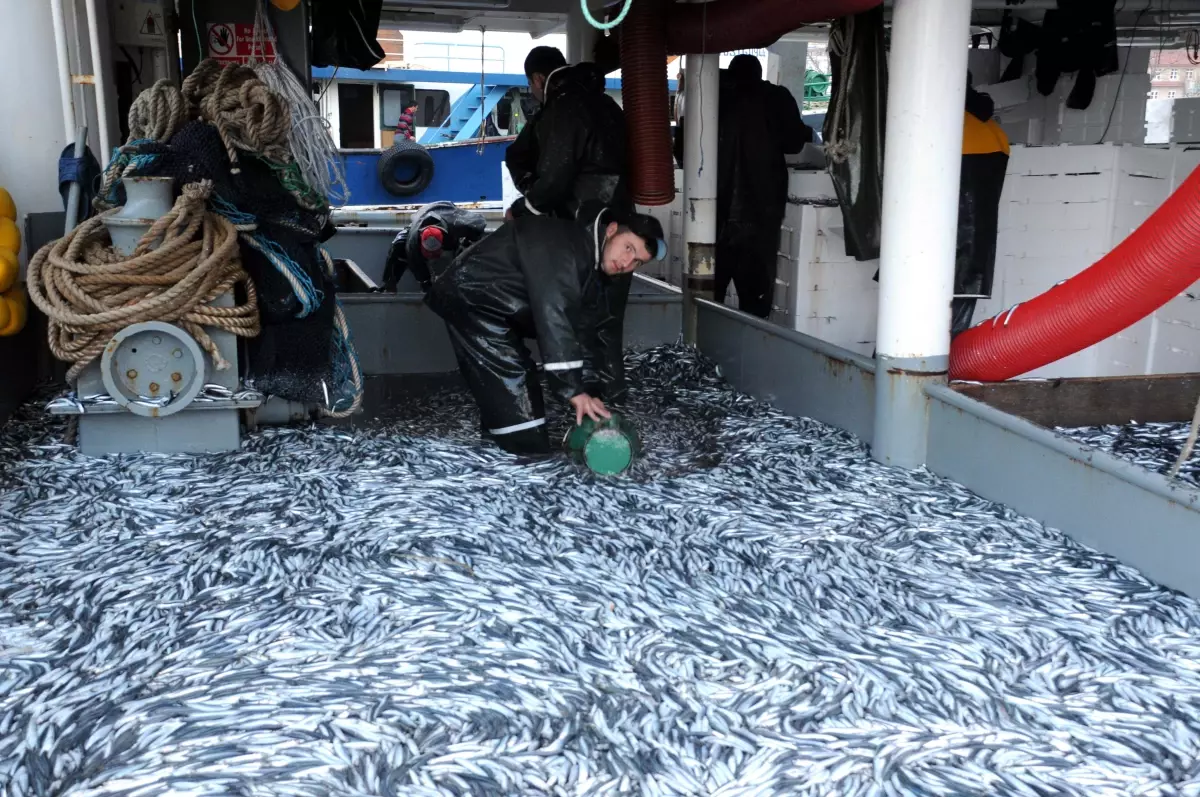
1153,446
391,607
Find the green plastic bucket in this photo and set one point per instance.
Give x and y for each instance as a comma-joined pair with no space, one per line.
607,448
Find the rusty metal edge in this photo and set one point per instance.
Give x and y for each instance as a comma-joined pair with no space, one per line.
1136,516
817,345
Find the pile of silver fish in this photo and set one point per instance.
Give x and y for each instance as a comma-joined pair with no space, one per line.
1153,446
394,608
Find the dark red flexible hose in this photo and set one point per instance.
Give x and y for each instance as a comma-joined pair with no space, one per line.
1145,271
725,25
644,96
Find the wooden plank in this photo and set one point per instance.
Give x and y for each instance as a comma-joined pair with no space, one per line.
1093,401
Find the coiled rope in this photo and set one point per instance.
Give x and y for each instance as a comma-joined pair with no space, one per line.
89,292
248,115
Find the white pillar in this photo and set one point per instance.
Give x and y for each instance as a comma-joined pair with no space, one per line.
787,66
927,78
581,36
701,85
100,73
66,89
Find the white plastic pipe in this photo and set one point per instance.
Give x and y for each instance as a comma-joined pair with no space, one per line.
101,82
701,82
927,78
66,89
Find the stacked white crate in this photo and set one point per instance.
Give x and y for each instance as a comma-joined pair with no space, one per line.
1175,333
1063,209
671,218
1116,114
1185,120
821,291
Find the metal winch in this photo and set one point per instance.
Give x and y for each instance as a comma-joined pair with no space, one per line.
153,387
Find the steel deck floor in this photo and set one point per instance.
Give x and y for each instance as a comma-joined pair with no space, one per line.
395,609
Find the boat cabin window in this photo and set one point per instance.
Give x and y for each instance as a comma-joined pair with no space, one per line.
356,109
433,106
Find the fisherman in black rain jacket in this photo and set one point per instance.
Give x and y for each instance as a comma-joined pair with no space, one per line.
572,156
573,149
758,126
543,278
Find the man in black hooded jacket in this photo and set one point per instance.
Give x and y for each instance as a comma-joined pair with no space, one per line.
758,126
573,149
543,278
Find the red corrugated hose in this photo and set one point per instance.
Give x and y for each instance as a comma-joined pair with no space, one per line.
655,27
1145,271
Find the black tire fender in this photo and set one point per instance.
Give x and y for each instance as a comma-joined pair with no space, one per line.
406,153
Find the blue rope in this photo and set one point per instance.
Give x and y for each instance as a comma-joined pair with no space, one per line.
310,295
227,209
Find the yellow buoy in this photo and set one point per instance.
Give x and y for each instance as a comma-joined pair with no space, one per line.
9,270
17,309
10,235
8,208
285,5
5,313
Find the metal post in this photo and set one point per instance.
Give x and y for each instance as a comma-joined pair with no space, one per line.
701,82
922,163
66,89
75,189
101,82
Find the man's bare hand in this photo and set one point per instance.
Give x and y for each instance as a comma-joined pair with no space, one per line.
508,216
589,406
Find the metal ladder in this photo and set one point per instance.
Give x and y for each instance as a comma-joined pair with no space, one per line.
468,111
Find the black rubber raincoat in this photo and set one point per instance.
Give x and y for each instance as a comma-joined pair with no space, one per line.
758,125
984,164
539,278
573,150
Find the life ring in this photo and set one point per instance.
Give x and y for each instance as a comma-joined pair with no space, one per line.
408,155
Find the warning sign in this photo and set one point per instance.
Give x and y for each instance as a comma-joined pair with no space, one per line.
139,23
230,42
150,25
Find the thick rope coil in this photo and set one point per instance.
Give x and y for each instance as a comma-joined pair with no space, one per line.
157,113
89,291
249,116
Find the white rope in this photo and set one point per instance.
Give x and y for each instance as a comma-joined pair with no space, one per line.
311,143
1186,453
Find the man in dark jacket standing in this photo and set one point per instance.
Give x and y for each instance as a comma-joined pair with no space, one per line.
758,125
544,278
573,149
984,164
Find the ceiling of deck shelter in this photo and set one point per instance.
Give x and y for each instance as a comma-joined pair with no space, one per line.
1146,19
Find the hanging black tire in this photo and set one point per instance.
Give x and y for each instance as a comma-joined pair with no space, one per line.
406,155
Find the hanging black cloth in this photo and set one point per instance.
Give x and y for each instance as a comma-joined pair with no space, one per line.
344,33
85,171
1080,37
854,127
